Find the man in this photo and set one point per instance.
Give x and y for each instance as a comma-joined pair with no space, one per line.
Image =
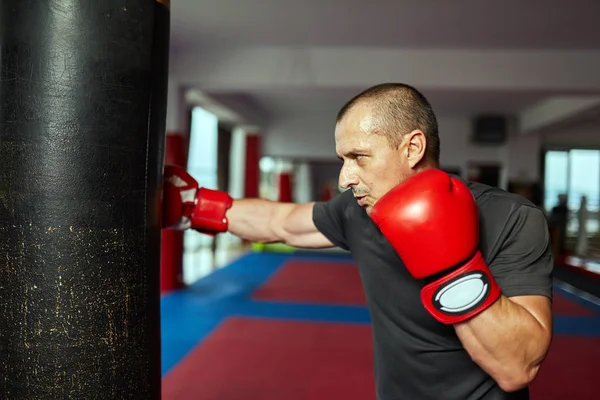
559,218
414,231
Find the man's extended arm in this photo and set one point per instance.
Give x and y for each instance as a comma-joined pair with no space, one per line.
186,205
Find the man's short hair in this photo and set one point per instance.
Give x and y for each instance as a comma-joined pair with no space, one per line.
402,109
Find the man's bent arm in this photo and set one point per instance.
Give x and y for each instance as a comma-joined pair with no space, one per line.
265,221
510,339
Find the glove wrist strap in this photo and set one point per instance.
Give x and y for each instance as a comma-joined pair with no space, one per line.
462,294
209,213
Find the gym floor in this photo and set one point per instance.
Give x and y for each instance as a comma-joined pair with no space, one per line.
295,326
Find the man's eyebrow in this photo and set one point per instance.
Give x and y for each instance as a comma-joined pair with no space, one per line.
355,152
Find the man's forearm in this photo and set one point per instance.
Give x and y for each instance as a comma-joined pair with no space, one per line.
506,341
256,220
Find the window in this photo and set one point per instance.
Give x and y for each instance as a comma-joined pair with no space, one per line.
556,177
574,173
584,178
202,157
202,165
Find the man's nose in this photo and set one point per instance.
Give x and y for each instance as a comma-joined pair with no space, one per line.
347,178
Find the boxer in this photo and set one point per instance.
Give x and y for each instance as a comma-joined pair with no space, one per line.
457,274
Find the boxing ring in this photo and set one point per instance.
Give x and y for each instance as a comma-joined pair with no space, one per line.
83,91
295,326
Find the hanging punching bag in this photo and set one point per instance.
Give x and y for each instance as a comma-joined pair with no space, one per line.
82,120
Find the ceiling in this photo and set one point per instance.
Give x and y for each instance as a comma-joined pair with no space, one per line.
548,24
327,103
197,25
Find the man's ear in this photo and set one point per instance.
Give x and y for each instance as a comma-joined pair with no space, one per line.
416,145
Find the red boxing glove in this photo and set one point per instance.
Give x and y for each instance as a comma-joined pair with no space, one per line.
186,205
431,220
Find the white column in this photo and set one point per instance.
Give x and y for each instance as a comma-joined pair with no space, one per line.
175,101
303,192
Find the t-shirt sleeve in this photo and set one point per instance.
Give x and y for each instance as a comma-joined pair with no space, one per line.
329,218
524,263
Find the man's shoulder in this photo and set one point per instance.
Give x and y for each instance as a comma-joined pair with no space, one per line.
499,201
344,203
337,209
504,215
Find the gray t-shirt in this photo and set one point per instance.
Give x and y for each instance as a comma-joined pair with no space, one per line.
416,357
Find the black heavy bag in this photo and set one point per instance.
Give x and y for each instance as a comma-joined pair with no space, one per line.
82,120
